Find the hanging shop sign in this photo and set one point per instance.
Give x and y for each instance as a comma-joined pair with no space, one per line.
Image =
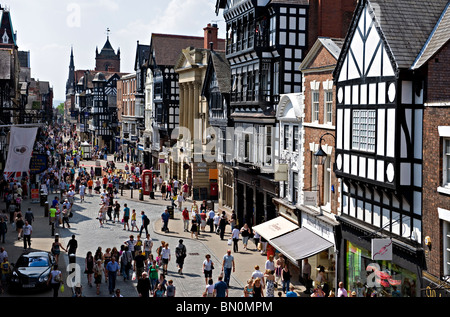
382,249
310,198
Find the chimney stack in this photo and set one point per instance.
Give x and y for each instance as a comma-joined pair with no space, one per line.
211,34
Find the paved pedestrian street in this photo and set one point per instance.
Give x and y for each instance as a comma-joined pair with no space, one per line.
90,235
191,284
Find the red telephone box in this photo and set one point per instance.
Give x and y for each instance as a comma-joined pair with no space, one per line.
147,182
213,190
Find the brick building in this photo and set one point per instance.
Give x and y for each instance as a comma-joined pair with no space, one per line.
434,64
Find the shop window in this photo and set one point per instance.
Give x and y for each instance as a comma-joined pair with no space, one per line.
383,278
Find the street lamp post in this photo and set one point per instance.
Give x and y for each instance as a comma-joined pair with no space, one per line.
320,158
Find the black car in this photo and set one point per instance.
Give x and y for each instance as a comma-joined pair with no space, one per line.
31,271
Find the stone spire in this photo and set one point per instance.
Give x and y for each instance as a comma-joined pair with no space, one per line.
70,85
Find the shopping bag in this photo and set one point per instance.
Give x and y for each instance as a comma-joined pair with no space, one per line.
61,288
230,241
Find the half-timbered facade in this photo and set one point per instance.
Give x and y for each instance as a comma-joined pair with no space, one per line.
265,44
216,90
379,141
140,67
104,123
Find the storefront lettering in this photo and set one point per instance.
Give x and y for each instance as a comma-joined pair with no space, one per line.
318,226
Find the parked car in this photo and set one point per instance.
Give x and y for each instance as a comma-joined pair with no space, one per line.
31,271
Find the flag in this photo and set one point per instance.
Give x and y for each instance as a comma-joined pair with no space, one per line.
21,143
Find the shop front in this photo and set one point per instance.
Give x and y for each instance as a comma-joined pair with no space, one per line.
312,241
390,269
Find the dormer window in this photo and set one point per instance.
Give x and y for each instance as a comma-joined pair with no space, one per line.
5,38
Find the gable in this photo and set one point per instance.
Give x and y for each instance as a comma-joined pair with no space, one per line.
367,54
322,59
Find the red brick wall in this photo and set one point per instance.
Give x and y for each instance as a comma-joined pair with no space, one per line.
432,179
104,65
438,84
439,76
329,18
313,134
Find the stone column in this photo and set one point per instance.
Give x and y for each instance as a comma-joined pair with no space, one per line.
181,106
190,108
196,111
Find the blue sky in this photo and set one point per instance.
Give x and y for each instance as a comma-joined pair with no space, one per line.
49,28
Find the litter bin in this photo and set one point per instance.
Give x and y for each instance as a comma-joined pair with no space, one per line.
43,197
72,260
170,209
46,209
210,204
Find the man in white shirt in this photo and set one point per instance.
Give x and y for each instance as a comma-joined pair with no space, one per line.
235,237
165,257
82,192
258,273
211,215
70,196
175,187
180,200
131,243
148,244
342,292
67,204
27,230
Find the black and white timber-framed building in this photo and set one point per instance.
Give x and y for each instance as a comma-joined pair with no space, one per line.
265,45
379,127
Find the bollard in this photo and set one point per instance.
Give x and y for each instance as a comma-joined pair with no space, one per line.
46,209
131,191
53,229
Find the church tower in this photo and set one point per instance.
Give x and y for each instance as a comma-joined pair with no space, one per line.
8,38
107,60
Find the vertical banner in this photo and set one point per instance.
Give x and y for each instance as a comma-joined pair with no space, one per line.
21,143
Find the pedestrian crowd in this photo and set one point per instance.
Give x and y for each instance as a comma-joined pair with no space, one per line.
135,259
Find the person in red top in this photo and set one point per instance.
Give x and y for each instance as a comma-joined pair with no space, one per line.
185,214
105,182
185,190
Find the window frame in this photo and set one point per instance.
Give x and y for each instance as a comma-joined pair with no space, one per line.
295,138
328,113
286,130
446,162
364,130
315,106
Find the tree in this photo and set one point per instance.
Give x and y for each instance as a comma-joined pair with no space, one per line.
60,108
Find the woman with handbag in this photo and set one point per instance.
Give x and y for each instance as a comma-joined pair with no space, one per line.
98,271
55,280
207,267
245,233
